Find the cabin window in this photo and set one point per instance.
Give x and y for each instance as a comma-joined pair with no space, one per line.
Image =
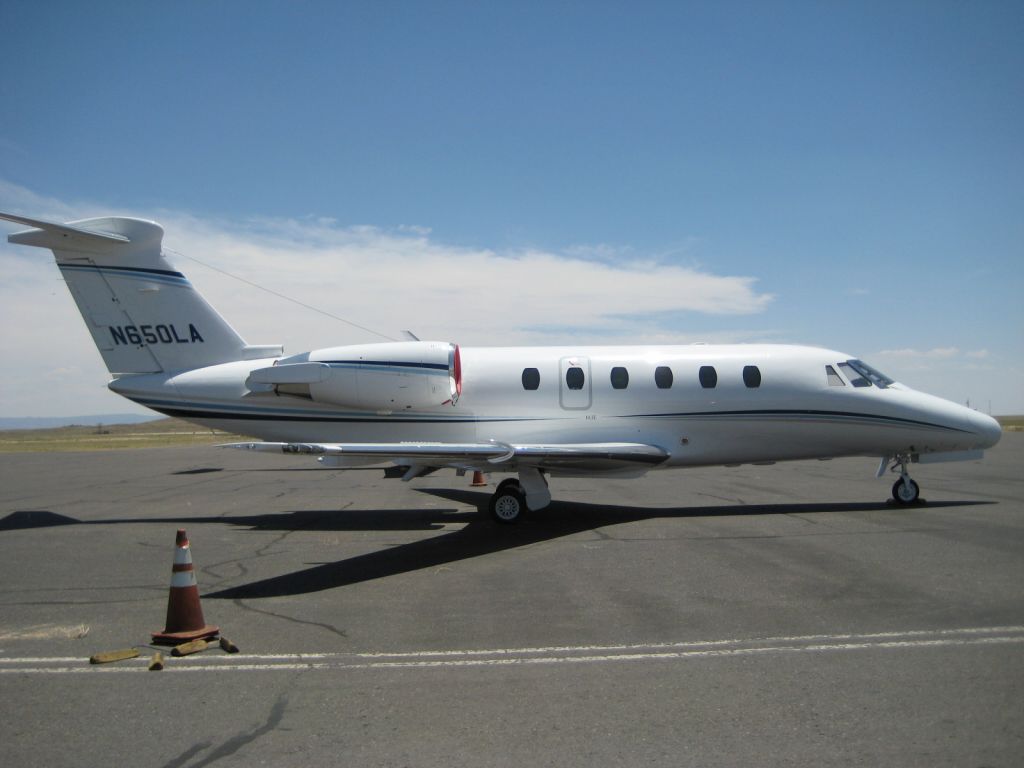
752,376
574,378
663,377
531,378
834,379
708,377
620,378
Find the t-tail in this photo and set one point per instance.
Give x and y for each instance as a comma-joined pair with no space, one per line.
144,316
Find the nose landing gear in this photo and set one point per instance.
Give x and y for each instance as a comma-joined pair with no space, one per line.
905,491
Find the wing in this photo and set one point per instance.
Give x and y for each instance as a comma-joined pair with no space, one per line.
557,457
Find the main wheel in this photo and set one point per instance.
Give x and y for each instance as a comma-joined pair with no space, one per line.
508,504
905,491
509,482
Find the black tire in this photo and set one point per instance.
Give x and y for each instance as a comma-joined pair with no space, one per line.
508,505
906,491
509,482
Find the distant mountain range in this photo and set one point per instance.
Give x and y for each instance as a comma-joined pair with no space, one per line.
46,422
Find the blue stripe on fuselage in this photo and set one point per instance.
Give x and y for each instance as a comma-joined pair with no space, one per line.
138,273
186,409
804,415
388,366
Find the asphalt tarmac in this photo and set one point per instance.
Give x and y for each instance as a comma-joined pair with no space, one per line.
756,616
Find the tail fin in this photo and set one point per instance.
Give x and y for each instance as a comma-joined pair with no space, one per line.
144,316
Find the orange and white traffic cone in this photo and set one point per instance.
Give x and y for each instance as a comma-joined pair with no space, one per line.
184,613
478,479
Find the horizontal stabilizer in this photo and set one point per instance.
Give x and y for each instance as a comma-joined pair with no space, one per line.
143,314
421,452
51,234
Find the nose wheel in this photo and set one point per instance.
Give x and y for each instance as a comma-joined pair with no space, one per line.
905,491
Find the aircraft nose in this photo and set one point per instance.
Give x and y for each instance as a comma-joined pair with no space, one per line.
986,428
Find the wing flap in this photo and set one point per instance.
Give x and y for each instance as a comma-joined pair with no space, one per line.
571,454
558,456
439,454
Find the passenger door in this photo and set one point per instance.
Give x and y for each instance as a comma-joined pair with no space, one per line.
574,389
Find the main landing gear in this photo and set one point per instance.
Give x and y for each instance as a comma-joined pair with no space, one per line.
905,491
515,497
508,503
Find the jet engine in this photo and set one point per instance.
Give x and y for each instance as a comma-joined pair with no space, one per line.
388,377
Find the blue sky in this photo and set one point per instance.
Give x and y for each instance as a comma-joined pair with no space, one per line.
843,174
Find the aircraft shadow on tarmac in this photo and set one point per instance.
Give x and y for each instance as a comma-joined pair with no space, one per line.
480,536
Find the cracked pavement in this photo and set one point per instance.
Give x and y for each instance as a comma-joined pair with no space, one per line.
385,623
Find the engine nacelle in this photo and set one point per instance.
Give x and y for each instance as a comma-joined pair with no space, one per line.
372,377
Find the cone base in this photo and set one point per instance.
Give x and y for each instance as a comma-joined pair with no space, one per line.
174,638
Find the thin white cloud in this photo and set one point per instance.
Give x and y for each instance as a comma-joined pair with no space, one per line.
404,278
937,353
387,280
18,199
391,280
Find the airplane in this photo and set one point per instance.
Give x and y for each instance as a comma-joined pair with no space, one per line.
530,412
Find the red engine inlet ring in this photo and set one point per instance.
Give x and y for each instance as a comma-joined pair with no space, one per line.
457,370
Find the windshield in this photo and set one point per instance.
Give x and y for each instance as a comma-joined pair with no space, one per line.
861,374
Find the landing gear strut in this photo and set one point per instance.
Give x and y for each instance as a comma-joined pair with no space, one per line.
904,490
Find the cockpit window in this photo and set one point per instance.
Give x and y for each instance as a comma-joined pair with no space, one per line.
876,377
861,374
855,378
834,379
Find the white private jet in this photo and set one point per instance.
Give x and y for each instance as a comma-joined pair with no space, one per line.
534,412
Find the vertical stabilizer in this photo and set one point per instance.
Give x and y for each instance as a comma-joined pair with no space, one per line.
144,316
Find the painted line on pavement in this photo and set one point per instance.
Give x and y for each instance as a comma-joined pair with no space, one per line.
583,654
